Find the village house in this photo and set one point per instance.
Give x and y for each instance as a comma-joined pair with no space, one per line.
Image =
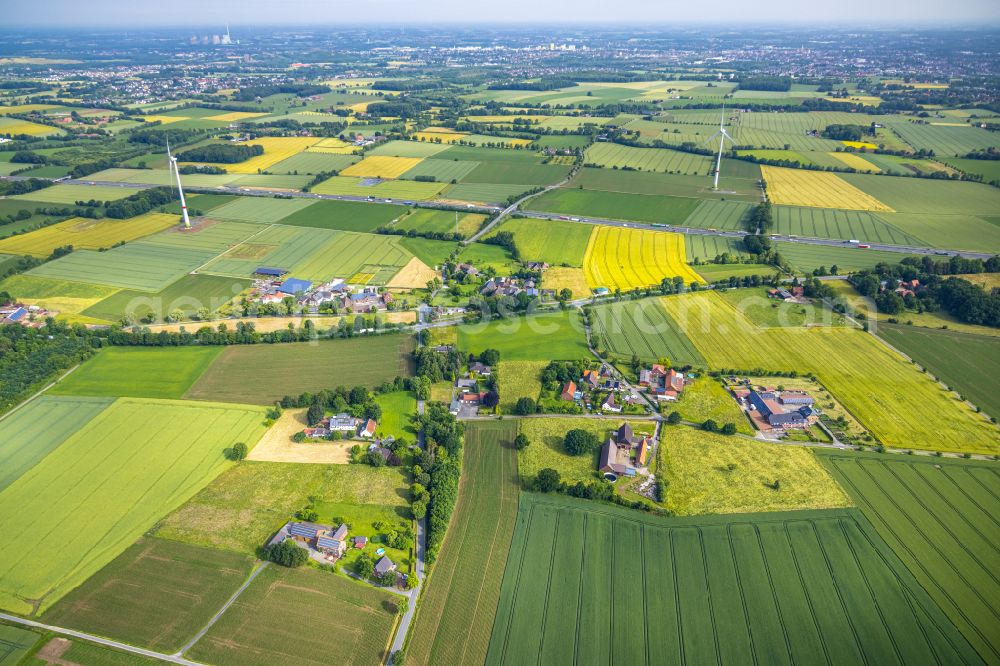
321,538
384,566
569,392
770,410
623,452
480,369
610,405
661,382
591,379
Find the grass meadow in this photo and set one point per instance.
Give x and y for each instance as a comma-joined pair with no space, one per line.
339,620
705,398
68,195
188,294
611,584
715,474
344,215
556,242
939,516
190,584
385,189
615,156
111,480
138,372
248,503
543,337
616,205
263,374
878,386
518,379
457,608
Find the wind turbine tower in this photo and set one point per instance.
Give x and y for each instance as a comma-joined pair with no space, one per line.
180,190
723,137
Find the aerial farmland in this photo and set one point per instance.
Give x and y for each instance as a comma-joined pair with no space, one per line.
422,344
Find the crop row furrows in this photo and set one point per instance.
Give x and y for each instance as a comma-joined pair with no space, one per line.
915,605
878,514
921,526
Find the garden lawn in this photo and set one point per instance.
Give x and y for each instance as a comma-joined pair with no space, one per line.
709,473
189,584
397,408
556,336
111,480
336,620
263,374
457,607
546,448
139,372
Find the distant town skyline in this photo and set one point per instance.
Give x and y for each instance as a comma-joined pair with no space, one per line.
733,13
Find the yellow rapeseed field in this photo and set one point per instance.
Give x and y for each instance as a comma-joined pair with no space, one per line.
860,144
855,162
235,116
619,258
15,126
819,189
381,166
85,233
166,120
276,149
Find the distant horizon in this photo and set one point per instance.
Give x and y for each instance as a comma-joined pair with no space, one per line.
857,14
646,26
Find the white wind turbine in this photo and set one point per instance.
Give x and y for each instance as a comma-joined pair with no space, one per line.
180,190
723,137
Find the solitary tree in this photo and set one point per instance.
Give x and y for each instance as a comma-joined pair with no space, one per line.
547,480
521,442
238,452
524,406
674,418
729,429
315,414
579,442
710,426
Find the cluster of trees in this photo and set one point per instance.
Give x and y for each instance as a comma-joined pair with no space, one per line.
506,240
10,188
141,202
968,302
225,153
436,366
776,83
761,220
202,168
157,137
357,401
30,357
251,93
27,157
287,554
443,436
399,108
413,233
848,132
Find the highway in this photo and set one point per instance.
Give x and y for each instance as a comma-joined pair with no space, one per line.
829,242
503,213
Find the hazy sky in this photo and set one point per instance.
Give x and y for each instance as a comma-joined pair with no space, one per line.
151,13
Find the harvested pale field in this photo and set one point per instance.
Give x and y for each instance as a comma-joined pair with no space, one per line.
855,162
335,146
414,275
561,277
277,444
619,258
381,166
818,189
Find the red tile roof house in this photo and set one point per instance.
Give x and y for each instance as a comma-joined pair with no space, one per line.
591,378
568,392
368,429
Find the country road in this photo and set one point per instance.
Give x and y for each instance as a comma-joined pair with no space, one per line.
124,647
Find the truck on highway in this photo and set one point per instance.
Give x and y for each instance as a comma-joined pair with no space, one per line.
853,242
